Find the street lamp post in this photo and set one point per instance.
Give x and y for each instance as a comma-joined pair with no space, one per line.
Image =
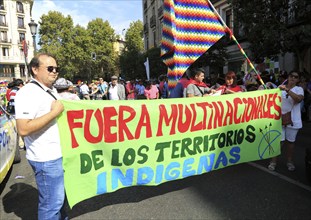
33,30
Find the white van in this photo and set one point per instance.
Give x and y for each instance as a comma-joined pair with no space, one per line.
9,145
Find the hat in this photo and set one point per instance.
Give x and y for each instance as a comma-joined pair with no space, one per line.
62,83
114,77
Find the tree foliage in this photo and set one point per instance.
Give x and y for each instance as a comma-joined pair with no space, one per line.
132,59
56,38
72,46
101,41
274,27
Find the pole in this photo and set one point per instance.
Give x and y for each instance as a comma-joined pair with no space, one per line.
25,50
239,46
34,45
26,69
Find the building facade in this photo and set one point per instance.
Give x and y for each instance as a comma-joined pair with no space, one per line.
153,22
16,44
153,19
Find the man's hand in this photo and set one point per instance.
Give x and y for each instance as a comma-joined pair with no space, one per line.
57,107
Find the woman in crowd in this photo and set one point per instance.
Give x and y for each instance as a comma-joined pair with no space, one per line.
196,86
230,85
151,90
292,95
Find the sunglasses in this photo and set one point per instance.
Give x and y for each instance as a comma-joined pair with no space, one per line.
52,68
294,76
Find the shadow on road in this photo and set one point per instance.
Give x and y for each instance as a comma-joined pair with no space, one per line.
26,196
129,195
5,181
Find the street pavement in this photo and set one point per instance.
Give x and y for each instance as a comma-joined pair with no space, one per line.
244,191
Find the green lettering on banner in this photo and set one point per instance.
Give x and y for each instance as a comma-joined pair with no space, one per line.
113,145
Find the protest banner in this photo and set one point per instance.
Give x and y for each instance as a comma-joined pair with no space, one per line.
108,145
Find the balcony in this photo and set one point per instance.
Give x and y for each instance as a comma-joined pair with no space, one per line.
21,27
5,41
152,21
146,28
160,11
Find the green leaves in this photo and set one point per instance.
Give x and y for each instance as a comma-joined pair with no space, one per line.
274,27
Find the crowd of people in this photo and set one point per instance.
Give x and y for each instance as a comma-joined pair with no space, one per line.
36,106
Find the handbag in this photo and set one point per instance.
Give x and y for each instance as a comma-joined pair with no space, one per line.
287,119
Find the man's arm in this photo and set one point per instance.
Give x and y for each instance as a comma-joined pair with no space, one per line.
28,126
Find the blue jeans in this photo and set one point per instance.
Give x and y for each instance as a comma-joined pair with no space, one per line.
50,182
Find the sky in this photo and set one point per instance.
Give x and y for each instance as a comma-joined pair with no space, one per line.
119,13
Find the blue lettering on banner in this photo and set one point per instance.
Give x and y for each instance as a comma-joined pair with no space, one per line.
174,170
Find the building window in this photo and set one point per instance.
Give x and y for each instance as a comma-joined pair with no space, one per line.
160,31
22,70
147,43
5,51
19,7
6,71
154,39
3,36
1,5
21,37
21,22
229,18
2,20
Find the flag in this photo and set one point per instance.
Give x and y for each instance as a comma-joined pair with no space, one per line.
147,68
25,48
190,28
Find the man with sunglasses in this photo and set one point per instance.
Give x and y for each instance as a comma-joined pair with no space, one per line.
36,108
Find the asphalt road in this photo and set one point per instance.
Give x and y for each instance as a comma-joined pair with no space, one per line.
245,191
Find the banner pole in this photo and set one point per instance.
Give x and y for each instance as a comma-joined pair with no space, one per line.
239,46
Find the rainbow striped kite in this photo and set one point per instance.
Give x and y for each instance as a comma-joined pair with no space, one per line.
190,28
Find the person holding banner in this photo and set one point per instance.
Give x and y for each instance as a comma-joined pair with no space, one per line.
196,86
230,85
292,95
36,108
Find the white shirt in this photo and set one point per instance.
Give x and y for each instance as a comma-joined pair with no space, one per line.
288,105
84,89
113,93
32,102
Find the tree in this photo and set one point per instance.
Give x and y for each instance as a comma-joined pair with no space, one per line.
72,46
132,59
274,27
56,38
157,67
80,53
101,36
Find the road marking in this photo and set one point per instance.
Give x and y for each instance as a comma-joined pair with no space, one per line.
308,188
